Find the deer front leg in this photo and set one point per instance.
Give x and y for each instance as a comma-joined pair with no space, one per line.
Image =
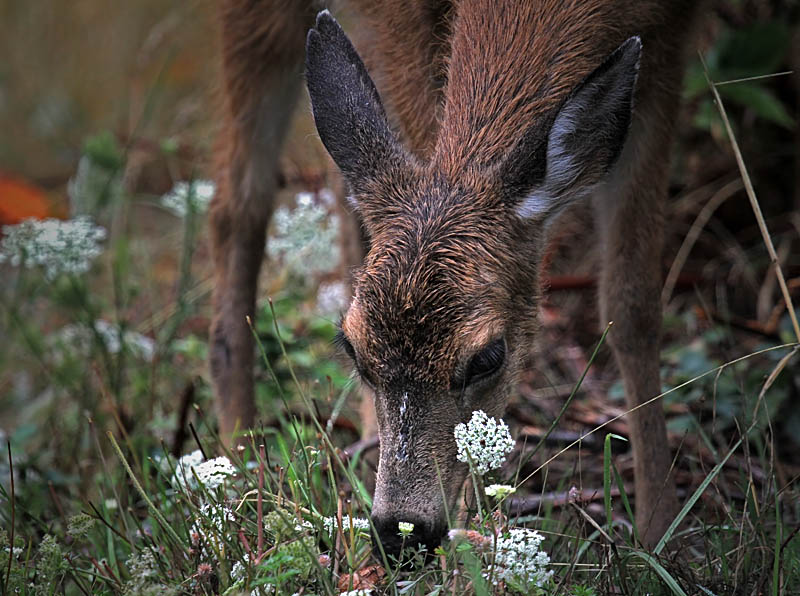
262,45
630,218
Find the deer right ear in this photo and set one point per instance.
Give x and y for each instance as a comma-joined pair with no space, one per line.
584,140
347,109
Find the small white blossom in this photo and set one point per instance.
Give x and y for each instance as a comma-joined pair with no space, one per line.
305,238
484,440
356,593
518,560
57,246
405,528
211,473
111,504
142,565
197,194
16,552
499,491
357,523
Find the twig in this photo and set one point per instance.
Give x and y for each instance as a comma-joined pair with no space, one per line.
56,501
153,509
107,524
756,78
557,419
748,186
197,440
719,197
13,511
187,396
260,504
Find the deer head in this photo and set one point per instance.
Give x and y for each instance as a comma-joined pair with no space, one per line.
444,309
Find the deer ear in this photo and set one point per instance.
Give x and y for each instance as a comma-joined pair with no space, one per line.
585,139
347,109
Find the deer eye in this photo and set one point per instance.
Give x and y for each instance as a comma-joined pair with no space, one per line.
342,342
486,362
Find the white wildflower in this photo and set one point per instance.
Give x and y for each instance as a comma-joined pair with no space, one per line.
79,338
356,523
210,525
214,472
196,194
484,440
405,528
518,561
16,552
332,298
238,569
211,473
356,593
499,491
57,246
142,564
111,504
305,238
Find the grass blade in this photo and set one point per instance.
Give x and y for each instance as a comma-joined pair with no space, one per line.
693,499
670,581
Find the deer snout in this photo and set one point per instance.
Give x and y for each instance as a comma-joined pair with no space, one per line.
426,532
414,497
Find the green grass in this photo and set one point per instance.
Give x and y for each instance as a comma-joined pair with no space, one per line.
92,422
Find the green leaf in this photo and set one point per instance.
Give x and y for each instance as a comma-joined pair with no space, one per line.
756,50
474,570
759,99
103,150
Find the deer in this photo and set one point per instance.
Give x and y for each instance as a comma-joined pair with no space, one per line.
464,134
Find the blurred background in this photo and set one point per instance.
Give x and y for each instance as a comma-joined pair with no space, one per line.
106,107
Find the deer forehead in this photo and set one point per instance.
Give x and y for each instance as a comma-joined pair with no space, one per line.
422,330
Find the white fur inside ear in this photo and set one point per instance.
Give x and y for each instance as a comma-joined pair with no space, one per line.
561,170
561,167
536,204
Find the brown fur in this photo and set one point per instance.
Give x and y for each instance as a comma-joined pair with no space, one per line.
452,266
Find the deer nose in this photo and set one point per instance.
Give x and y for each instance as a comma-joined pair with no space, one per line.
425,533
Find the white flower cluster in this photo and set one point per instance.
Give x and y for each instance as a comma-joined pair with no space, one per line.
80,337
210,525
518,560
143,562
58,246
405,528
499,491
484,440
305,239
357,523
196,194
356,593
211,473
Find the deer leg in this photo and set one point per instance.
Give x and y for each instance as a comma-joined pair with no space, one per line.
262,46
629,210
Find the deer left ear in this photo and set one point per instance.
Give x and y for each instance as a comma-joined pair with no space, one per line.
347,109
584,141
